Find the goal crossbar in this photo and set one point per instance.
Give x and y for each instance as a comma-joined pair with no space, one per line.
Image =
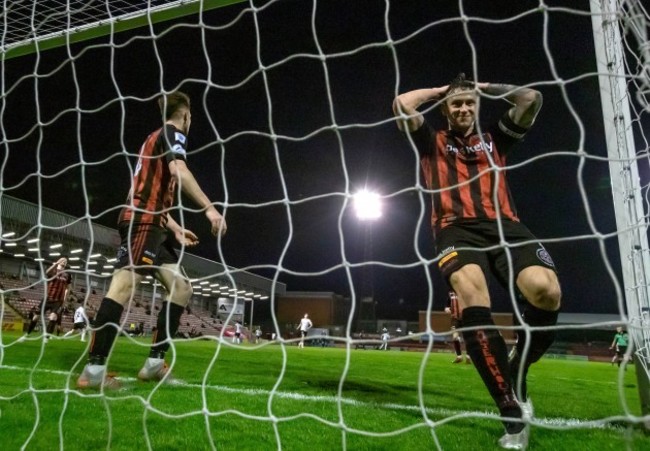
27,29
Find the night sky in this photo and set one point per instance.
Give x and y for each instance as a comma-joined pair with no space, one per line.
97,109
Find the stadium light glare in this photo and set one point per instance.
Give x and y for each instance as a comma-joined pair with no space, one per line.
33,249
19,255
76,251
8,234
264,298
55,254
39,259
56,246
96,255
11,244
91,263
111,260
33,240
205,282
73,259
109,266
367,205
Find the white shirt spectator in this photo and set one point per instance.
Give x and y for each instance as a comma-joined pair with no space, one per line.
80,315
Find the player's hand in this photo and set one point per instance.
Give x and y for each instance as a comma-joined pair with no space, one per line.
217,222
186,237
437,93
447,310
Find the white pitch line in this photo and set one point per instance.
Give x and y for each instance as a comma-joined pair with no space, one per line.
553,422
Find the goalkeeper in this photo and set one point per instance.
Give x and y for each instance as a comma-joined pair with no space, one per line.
148,231
463,166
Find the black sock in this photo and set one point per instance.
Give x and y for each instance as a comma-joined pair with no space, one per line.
540,341
457,348
159,340
489,354
106,322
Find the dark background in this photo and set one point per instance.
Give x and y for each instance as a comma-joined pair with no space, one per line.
280,135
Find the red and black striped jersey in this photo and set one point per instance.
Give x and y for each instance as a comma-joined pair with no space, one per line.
153,187
57,286
465,173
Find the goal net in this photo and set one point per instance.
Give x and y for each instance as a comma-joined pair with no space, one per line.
291,119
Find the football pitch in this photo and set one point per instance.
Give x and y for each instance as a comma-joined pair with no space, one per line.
270,396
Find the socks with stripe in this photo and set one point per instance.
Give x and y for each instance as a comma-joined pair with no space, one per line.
489,353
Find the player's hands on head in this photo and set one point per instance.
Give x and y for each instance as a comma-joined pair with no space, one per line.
217,222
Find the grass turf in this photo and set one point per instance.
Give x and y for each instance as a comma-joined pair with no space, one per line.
282,397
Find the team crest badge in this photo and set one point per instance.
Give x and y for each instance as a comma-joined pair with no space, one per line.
545,257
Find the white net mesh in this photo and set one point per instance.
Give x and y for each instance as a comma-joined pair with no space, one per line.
291,117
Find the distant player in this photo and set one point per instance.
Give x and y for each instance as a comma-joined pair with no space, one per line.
58,285
238,331
303,327
385,336
149,233
258,335
620,345
80,323
454,309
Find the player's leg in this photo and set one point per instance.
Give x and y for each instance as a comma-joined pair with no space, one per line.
484,343
455,340
133,263
106,325
541,288
179,292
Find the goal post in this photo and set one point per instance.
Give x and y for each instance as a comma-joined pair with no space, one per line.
42,26
609,18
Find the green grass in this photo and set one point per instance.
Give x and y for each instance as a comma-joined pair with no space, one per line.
275,397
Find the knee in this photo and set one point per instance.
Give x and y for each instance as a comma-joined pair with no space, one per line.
544,293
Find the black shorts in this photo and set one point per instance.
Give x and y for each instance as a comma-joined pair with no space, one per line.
621,350
478,241
303,333
144,247
81,325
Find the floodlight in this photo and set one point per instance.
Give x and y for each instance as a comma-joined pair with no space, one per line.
367,205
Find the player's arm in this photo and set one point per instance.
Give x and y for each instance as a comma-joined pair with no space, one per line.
407,104
51,271
526,102
191,189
